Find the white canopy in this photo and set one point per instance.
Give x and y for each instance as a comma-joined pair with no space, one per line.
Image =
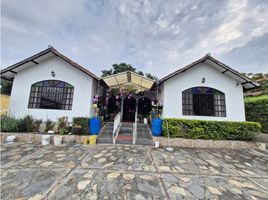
129,79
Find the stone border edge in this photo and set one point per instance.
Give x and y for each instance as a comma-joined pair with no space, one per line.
37,137
209,144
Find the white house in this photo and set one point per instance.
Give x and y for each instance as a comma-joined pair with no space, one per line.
205,89
49,85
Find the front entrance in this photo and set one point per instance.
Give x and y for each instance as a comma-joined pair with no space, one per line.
129,109
144,107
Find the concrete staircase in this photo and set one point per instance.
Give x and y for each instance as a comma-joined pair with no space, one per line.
125,135
106,134
144,136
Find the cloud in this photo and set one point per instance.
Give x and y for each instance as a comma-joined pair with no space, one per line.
156,36
256,52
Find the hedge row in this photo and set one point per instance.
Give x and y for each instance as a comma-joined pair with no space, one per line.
210,130
257,110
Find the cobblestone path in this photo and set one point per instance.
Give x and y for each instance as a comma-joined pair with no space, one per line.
32,171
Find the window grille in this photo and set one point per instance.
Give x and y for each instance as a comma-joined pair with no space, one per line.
203,101
51,94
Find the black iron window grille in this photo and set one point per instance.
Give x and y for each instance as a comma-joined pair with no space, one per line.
203,101
51,94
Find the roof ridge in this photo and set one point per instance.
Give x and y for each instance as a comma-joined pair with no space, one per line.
56,53
202,59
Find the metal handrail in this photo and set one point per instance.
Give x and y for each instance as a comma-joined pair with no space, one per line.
116,128
135,128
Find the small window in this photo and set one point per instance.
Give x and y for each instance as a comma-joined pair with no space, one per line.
203,101
51,94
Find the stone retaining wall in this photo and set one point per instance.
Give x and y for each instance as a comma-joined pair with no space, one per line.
37,137
175,142
221,144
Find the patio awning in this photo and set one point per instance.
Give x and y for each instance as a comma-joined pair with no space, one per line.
129,79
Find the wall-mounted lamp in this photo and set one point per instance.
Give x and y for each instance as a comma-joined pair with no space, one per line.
53,74
203,80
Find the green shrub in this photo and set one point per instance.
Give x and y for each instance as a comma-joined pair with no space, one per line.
8,124
83,123
49,125
257,110
28,124
62,125
211,130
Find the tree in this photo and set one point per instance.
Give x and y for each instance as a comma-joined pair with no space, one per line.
149,75
122,67
6,87
262,79
107,72
118,68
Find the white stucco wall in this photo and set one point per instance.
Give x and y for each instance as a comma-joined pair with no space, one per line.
65,72
192,78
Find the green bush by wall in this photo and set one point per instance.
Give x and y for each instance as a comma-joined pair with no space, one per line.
8,124
26,124
256,109
83,122
210,130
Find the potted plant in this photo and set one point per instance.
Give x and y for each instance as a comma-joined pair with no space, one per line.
77,129
58,138
94,122
62,127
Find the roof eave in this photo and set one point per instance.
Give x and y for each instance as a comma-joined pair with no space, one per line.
46,51
207,56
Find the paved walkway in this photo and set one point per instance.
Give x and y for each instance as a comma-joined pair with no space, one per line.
263,137
32,171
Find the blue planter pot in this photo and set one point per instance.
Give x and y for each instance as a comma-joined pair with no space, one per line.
157,127
94,126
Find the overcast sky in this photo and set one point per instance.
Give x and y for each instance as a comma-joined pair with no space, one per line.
157,36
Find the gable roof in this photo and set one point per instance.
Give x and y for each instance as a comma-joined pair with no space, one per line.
9,72
245,81
127,78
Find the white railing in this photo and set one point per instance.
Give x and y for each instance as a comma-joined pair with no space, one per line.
117,122
135,128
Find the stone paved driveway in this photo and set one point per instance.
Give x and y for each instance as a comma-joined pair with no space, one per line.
32,171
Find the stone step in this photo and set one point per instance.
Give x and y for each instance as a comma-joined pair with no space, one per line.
105,136
124,139
126,124
104,140
125,134
142,125
144,142
129,130
124,142
108,124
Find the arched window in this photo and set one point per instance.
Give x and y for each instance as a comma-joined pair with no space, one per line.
51,94
203,101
